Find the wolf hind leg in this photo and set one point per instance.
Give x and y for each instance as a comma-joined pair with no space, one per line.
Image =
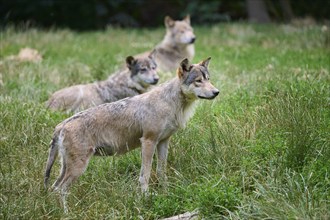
61,176
74,167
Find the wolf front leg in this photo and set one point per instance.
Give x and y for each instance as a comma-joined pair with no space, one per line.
162,151
147,153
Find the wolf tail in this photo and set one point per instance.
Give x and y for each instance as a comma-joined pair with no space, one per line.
53,152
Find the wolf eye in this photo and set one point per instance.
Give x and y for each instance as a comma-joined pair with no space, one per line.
143,70
198,81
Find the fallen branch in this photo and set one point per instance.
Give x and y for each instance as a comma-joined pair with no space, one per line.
185,216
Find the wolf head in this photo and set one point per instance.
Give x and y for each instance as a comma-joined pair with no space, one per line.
143,70
195,80
181,32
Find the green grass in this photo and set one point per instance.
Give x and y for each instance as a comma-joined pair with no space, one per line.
261,150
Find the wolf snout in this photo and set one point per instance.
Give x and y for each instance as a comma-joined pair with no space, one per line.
215,92
192,40
155,81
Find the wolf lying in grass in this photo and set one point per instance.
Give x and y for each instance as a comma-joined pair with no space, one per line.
177,44
115,128
134,80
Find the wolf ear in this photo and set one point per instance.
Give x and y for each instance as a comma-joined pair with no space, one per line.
169,22
183,68
152,54
205,62
185,65
130,61
187,19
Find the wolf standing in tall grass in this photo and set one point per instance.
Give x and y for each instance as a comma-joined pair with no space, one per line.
177,44
116,128
134,80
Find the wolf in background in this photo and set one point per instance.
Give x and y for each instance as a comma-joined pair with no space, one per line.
134,80
177,44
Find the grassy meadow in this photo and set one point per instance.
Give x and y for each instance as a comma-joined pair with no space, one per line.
260,150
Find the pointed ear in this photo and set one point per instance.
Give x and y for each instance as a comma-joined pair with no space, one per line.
187,19
130,61
183,68
205,62
185,65
152,54
169,22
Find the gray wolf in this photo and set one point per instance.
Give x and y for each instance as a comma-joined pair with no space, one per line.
134,80
115,128
177,44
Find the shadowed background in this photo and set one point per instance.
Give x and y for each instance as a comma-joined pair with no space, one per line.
98,14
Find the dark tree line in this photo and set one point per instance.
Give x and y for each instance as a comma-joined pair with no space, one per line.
94,14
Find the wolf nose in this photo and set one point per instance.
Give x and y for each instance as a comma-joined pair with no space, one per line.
192,40
155,81
215,93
